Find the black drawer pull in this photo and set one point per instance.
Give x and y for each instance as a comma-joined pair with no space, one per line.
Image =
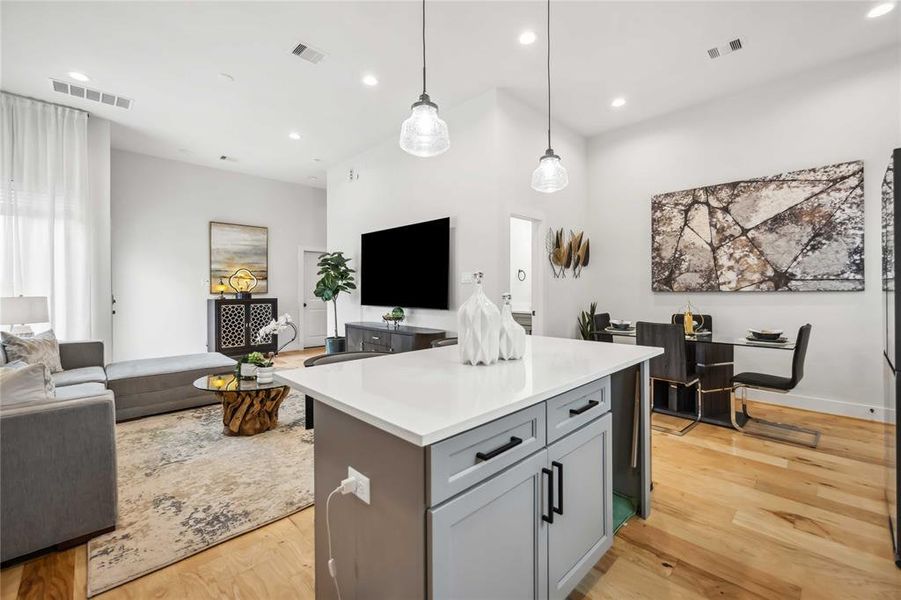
549,517
513,443
559,508
578,411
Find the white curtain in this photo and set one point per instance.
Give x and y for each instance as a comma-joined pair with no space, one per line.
46,245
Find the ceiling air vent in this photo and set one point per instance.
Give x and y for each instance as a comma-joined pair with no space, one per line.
79,91
718,51
308,54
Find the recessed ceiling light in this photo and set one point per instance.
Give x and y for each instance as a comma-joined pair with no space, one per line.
527,37
83,78
317,159
294,135
313,178
881,9
370,80
618,102
226,77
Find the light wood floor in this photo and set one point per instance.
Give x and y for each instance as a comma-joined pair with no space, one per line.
733,517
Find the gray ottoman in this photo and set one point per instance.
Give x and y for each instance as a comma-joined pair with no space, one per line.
156,385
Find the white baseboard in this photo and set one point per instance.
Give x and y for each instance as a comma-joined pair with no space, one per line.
825,405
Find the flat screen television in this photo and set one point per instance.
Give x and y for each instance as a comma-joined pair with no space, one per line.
406,266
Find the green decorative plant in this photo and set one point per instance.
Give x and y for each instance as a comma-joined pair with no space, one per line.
258,359
586,322
335,277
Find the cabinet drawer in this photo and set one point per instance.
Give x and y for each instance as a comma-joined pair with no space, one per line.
367,347
464,460
570,410
377,338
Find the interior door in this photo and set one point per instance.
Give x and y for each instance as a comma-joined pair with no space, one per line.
582,529
314,310
491,541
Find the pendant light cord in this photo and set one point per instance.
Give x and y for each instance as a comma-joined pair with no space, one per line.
423,47
548,72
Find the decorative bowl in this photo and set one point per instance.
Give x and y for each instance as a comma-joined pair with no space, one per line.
770,335
619,324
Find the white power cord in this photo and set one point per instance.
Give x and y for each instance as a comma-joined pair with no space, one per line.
347,486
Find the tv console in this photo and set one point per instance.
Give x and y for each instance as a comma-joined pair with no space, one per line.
377,337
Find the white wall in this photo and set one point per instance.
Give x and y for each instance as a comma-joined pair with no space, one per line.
520,259
479,183
161,211
848,111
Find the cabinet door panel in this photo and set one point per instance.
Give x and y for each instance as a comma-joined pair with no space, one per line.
583,532
491,542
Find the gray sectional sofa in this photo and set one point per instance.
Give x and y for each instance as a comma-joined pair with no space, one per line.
58,457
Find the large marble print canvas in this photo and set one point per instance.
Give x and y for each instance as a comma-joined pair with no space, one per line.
798,231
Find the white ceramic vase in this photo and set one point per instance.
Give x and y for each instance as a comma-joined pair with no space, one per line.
512,342
478,328
265,374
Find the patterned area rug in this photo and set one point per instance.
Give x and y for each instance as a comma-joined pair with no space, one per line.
184,486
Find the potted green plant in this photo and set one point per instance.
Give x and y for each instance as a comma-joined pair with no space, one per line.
586,322
256,365
335,277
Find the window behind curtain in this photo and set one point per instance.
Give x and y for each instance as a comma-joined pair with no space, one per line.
46,233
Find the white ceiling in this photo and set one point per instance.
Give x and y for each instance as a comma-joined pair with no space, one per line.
168,56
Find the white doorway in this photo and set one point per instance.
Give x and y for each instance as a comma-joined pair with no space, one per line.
522,275
314,316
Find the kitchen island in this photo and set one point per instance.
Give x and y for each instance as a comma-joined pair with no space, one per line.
485,482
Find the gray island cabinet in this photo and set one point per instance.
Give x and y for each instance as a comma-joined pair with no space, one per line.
485,482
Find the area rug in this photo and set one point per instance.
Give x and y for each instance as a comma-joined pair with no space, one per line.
184,486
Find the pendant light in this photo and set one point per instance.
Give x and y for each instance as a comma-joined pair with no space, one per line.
550,175
424,134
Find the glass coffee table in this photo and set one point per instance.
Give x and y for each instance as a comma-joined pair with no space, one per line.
248,407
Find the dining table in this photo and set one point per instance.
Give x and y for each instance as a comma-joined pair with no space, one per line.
714,357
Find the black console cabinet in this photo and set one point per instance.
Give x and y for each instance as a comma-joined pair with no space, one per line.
376,337
232,325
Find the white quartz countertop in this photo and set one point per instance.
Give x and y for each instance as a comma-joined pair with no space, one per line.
427,396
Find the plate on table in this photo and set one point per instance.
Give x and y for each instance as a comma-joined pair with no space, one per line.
765,335
757,340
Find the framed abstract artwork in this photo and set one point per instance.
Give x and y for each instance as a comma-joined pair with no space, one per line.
234,247
797,231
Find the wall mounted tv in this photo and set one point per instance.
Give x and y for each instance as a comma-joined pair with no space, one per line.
406,266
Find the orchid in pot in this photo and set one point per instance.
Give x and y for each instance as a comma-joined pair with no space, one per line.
275,327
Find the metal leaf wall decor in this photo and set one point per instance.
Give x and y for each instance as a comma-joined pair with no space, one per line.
563,254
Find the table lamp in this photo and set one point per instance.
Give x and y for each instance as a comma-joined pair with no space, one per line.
20,311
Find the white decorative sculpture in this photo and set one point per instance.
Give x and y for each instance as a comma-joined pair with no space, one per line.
512,343
478,328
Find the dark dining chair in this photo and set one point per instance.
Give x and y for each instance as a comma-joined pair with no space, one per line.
601,322
445,342
781,432
327,359
672,367
701,321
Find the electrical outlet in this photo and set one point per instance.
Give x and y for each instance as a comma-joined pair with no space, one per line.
362,491
467,277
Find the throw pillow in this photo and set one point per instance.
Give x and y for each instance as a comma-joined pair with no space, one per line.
25,384
41,348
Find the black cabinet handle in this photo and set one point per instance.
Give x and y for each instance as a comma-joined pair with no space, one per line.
578,411
549,517
513,443
559,508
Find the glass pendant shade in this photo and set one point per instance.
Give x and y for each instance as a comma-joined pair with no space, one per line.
550,174
424,134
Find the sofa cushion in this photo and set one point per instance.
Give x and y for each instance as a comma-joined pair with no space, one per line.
158,374
82,375
79,390
26,384
40,348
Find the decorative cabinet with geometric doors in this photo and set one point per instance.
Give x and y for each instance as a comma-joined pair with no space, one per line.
232,325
